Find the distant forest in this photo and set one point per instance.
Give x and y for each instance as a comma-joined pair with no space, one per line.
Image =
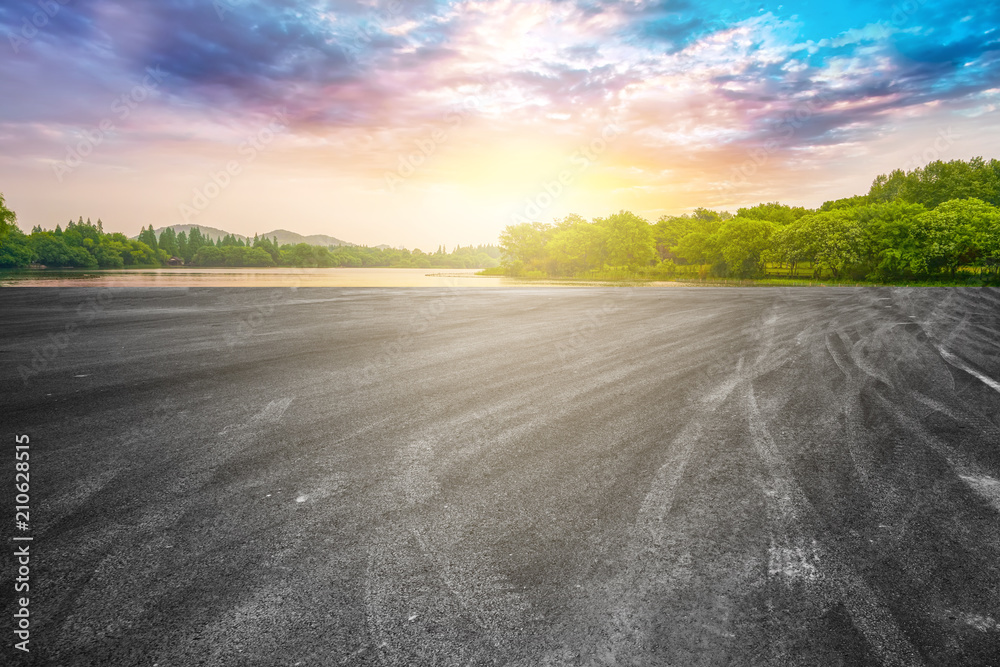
85,245
939,222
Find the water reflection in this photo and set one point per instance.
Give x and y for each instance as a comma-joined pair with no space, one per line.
246,277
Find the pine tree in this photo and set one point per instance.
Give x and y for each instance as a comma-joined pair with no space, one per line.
182,247
168,241
148,236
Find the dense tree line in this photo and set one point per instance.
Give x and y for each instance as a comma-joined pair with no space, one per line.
261,251
80,245
86,245
469,257
941,220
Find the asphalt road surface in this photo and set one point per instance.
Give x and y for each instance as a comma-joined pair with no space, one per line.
546,476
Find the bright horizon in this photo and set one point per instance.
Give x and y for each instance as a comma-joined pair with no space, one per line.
430,123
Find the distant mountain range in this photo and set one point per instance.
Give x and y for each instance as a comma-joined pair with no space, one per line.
283,235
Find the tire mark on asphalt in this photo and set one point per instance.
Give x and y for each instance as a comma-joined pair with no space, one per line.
649,537
960,364
271,413
644,555
977,479
793,556
971,474
837,356
482,592
106,563
985,486
850,400
650,567
801,559
262,610
424,607
374,620
957,413
486,595
659,499
857,353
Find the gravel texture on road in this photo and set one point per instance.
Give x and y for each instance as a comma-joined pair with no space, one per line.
509,476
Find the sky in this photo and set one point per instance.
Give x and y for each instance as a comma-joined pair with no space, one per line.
434,122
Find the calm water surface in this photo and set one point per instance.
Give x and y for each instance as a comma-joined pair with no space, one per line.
244,277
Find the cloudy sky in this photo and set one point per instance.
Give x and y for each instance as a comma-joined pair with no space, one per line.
429,122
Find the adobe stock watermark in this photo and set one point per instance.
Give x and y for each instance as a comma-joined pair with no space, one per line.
33,24
551,191
121,108
22,551
218,181
944,140
58,343
904,11
420,322
794,120
250,321
791,122
595,319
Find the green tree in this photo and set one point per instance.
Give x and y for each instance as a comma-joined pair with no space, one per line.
742,243
168,242
838,242
523,246
269,247
792,245
8,219
196,241
894,242
700,246
182,247
887,187
148,236
939,182
578,247
52,250
956,233
670,229
629,240
989,242
209,256
258,257
16,251
846,202
773,212
107,255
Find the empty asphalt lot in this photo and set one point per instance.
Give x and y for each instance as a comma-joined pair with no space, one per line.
547,476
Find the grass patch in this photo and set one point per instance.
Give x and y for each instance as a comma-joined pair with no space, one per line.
692,278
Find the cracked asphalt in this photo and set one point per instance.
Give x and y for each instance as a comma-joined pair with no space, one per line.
506,476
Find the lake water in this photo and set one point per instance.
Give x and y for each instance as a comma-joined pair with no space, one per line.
245,277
